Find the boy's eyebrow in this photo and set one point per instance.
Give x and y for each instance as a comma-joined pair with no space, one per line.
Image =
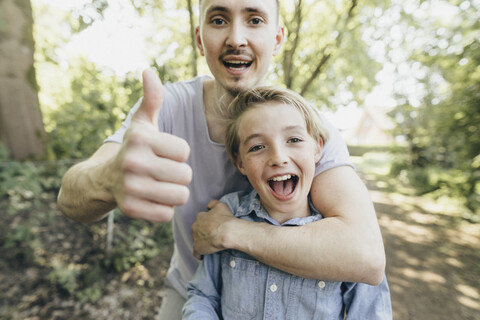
252,136
287,128
294,127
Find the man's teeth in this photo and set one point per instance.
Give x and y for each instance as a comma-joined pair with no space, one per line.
282,178
237,62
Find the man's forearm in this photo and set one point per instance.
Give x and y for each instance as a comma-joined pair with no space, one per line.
84,194
345,246
320,250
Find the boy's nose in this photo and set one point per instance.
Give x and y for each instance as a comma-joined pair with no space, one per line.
236,37
278,157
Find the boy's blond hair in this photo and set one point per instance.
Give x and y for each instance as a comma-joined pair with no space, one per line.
263,95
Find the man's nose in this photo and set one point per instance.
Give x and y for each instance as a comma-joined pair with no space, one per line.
236,36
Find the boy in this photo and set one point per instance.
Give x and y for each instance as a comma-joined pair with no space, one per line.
275,139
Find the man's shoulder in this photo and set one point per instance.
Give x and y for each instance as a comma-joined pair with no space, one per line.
191,86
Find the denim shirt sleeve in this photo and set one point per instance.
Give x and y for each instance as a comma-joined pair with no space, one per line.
203,301
364,301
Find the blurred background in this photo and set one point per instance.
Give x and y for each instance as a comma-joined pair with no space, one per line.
399,78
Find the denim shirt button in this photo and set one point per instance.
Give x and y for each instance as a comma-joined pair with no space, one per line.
321,284
273,287
232,263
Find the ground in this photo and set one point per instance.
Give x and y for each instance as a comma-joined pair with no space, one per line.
433,265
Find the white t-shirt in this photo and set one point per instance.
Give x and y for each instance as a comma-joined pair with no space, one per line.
182,114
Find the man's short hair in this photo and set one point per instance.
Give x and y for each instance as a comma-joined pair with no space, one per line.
276,1
264,95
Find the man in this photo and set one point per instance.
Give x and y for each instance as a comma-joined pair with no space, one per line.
170,153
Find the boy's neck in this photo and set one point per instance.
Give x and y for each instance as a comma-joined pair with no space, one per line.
282,217
215,100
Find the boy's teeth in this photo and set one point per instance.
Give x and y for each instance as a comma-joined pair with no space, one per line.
282,178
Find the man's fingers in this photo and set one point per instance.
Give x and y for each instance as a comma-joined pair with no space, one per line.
152,98
146,188
162,144
172,171
212,204
147,210
171,147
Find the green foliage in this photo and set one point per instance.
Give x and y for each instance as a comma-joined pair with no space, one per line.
64,275
137,244
98,103
90,12
27,194
443,132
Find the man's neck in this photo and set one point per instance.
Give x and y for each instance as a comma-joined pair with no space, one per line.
215,100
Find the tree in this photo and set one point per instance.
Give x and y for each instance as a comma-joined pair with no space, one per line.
21,125
325,57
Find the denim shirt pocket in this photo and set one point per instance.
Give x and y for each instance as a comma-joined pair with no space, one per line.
240,292
319,299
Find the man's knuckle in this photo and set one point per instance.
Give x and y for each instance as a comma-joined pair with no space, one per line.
130,162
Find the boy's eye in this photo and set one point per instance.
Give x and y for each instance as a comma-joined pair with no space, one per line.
294,140
256,148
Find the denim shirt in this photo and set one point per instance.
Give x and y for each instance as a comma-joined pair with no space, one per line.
232,285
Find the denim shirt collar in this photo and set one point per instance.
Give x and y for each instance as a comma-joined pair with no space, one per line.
252,206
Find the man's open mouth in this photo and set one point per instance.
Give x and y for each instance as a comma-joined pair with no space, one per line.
283,185
237,64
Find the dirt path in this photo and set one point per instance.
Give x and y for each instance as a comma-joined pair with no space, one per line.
433,259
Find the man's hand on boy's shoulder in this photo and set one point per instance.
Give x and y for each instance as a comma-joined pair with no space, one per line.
210,230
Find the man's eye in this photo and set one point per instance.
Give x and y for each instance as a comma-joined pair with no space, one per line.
218,21
256,21
255,148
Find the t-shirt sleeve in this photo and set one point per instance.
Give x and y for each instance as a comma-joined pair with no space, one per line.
118,135
335,151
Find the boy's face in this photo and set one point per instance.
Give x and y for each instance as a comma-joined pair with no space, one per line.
238,39
278,156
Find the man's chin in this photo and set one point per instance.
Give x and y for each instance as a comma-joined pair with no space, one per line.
236,89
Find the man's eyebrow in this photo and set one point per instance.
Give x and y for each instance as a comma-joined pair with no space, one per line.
256,10
216,8
226,10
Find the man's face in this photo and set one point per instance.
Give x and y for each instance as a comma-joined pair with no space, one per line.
278,156
238,39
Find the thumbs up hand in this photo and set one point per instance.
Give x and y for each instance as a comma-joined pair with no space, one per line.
151,171
152,98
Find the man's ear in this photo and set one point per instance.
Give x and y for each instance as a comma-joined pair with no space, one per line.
279,38
318,150
198,41
239,164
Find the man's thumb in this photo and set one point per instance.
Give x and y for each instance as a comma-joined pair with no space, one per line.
152,97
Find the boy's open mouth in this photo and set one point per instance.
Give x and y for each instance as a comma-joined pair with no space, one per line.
237,64
283,185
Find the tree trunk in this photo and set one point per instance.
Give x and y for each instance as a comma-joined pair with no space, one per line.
21,125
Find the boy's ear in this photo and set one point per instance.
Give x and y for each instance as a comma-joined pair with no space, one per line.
198,41
239,164
318,150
